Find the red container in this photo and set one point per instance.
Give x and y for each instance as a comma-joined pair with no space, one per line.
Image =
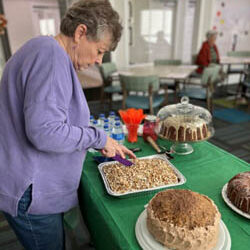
149,127
132,132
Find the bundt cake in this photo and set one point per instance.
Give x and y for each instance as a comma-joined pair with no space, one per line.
182,219
183,128
238,191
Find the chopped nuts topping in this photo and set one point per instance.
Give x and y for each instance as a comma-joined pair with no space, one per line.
143,174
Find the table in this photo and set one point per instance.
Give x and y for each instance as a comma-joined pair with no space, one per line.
231,60
111,221
175,72
234,60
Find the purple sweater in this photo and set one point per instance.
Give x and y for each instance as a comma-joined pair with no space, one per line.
44,132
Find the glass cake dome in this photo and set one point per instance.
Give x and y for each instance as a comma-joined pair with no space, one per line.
184,123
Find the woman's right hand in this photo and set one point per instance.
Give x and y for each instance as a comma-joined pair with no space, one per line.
112,148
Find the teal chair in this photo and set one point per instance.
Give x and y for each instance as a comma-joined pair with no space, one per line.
142,92
166,62
194,74
209,78
243,87
107,71
170,84
239,53
194,58
235,69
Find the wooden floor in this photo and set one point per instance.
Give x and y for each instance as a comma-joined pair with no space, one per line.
234,138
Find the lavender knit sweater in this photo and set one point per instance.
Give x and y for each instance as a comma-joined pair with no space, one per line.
44,132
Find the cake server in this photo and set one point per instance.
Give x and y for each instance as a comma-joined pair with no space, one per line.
123,161
159,150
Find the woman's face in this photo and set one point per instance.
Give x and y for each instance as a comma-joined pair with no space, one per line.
212,40
88,52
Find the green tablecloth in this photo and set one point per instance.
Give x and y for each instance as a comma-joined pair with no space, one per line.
111,220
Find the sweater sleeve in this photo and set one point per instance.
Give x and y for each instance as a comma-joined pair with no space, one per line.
48,92
203,56
48,130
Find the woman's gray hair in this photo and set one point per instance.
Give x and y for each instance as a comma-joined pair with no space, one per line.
99,17
211,33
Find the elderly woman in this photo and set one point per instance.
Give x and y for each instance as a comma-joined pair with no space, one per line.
44,131
208,53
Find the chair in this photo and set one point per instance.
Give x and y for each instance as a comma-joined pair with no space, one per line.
205,91
235,69
167,83
194,75
166,62
239,53
147,86
107,71
243,87
91,81
194,58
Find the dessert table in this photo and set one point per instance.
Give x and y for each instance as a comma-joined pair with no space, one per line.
111,221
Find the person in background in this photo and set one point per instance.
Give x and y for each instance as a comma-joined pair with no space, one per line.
161,48
44,131
208,54
3,23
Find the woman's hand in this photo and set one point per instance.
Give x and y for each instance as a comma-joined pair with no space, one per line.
112,148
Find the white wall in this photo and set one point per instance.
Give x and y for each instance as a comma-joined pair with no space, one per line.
19,14
188,29
19,26
232,19
179,34
121,55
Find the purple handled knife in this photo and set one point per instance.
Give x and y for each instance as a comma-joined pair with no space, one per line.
122,161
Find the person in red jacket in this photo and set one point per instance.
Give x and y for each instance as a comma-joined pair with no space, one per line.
208,53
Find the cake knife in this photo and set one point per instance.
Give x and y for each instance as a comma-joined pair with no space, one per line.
123,161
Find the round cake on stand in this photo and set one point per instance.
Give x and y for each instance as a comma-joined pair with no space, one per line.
183,124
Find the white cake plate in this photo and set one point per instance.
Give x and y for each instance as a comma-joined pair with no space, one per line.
230,204
147,241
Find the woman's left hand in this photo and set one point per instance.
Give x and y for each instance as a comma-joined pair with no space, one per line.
112,148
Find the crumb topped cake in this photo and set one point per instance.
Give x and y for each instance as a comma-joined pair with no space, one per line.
143,174
184,128
182,219
238,191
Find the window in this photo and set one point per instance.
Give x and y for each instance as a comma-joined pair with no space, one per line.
46,20
155,21
47,27
151,24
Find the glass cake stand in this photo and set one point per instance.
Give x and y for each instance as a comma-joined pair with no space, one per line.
182,148
183,115
185,148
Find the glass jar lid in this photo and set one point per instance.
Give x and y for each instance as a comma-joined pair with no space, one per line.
185,109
